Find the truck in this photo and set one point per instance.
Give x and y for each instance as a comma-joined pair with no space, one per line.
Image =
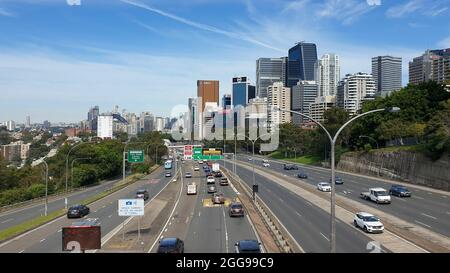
378,195
215,167
191,188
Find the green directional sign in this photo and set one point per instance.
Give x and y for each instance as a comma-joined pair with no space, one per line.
136,156
197,153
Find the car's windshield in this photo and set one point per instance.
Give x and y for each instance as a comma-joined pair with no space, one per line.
380,193
370,219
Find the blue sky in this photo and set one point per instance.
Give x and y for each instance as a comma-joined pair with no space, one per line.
57,60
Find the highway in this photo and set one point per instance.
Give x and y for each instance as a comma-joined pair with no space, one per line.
47,238
203,226
307,223
426,208
19,215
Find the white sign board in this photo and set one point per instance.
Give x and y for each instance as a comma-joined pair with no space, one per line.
131,207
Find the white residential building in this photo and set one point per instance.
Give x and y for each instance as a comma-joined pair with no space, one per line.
327,73
105,127
320,105
278,96
354,90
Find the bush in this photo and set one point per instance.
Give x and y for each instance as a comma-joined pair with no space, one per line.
141,168
36,190
12,196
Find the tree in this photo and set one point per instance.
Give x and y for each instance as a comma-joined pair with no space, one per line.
5,138
437,133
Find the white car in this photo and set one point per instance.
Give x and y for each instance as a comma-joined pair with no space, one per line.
368,222
196,168
266,164
210,180
265,161
250,159
324,186
200,162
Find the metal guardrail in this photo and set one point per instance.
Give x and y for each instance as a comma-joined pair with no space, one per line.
281,236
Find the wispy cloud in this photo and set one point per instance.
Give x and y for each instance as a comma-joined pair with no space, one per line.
425,7
347,11
295,5
4,12
201,26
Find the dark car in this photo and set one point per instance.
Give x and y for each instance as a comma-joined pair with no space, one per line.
248,246
290,167
400,191
218,174
208,174
223,181
171,245
302,175
77,211
236,209
142,194
338,180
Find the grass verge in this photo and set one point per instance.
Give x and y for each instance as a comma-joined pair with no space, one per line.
307,159
40,220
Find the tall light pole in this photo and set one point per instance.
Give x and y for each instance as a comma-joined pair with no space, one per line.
333,174
368,137
71,168
46,188
67,169
253,158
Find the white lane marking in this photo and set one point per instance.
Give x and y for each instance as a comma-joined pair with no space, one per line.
104,207
59,230
42,240
95,211
22,251
199,213
226,230
281,200
166,230
443,196
309,203
187,220
170,223
420,223
418,197
430,193
429,216
325,236
7,220
298,214
448,212
110,216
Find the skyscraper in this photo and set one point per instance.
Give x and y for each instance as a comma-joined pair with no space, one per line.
354,90
226,101
301,61
92,118
28,122
278,96
441,69
387,73
208,91
303,95
268,71
421,68
242,91
327,74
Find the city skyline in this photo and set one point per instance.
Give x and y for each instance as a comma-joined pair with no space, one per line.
48,74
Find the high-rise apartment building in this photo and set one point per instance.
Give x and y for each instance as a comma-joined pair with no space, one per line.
354,90
421,68
441,70
387,74
327,74
303,94
278,96
268,71
208,91
105,127
93,118
320,106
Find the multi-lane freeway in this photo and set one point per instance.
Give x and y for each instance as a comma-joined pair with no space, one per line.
427,208
203,226
48,238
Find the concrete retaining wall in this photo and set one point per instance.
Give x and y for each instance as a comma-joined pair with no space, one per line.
404,166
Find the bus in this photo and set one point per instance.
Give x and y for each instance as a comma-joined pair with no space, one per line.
168,164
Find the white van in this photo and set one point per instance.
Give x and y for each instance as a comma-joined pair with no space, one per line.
191,189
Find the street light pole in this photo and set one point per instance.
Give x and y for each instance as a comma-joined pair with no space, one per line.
46,188
71,175
333,172
67,169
